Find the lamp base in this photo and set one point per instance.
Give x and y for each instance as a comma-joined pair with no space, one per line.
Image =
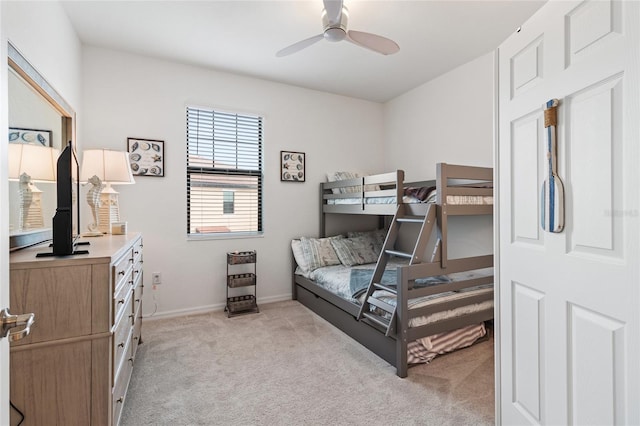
109,211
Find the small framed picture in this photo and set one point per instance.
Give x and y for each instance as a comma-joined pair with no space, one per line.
146,157
30,136
292,166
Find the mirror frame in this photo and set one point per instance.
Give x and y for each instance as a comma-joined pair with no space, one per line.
18,63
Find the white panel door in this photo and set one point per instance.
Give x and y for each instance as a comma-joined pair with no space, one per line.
569,302
4,229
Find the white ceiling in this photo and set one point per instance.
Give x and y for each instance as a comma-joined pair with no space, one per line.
242,37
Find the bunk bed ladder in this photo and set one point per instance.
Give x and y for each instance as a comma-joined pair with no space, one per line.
426,228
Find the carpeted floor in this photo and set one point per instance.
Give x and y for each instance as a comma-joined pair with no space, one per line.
288,366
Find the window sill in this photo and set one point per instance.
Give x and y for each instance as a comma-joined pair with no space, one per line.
224,236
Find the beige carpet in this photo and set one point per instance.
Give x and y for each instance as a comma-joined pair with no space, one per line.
288,366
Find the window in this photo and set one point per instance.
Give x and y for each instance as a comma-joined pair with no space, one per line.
227,202
224,172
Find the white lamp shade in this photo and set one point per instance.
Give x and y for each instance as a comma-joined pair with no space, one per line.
110,166
37,161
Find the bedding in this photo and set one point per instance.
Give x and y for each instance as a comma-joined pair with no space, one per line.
415,195
467,191
427,348
351,283
337,279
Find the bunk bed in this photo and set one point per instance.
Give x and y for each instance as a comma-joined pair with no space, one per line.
409,295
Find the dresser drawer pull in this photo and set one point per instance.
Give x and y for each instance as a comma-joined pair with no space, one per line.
130,360
119,400
120,301
131,260
136,252
121,345
121,273
137,300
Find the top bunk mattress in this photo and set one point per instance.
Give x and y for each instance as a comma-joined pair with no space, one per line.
345,188
457,200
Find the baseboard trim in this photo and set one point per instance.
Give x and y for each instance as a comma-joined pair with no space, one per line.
208,308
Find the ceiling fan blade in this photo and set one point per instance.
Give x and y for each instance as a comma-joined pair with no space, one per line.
334,10
373,42
295,47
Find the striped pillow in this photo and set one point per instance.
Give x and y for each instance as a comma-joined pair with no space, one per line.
355,251
319,252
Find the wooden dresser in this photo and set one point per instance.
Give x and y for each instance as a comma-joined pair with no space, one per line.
74,367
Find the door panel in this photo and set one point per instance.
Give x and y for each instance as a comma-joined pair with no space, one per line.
569,313
525,143
596,394
528,307
593,138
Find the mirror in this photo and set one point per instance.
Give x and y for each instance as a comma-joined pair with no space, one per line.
38,115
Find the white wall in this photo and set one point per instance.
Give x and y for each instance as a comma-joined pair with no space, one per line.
41,31
132,96
450,120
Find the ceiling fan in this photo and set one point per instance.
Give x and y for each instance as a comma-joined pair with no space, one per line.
334,21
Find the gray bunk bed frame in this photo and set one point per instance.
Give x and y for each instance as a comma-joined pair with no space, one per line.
390,343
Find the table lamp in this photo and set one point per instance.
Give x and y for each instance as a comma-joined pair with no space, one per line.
30,163
103,168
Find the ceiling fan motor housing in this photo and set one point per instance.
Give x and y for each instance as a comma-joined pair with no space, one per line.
335,31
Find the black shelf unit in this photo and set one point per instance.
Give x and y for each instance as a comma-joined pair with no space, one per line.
241,273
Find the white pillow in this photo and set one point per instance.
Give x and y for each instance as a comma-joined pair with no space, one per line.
298,255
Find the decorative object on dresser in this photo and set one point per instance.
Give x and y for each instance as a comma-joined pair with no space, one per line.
75,366
29,163
241,273
146,157
103,168
292,166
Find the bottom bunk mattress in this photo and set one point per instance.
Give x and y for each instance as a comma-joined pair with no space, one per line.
350,283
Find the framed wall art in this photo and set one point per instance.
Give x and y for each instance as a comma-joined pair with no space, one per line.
292,166
146,157
30,136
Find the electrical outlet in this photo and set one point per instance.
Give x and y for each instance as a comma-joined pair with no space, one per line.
156,278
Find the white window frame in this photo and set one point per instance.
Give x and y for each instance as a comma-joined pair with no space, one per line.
248,162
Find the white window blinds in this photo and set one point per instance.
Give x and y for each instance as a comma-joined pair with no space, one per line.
224,172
